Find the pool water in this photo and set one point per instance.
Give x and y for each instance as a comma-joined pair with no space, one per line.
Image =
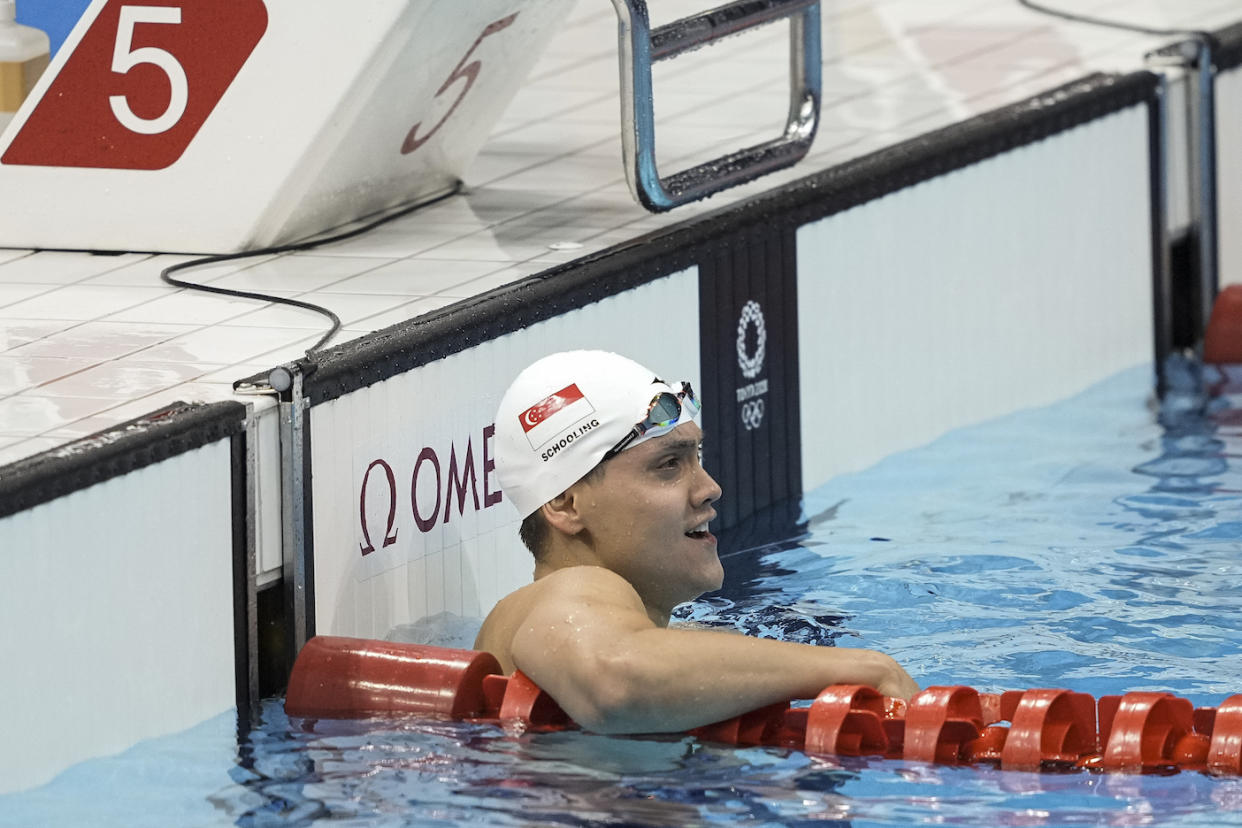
1095,544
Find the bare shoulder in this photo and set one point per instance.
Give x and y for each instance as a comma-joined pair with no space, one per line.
575,581
550,597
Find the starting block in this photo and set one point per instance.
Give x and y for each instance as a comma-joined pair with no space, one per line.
198,126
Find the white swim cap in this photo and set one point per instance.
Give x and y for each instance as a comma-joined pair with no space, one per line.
563,414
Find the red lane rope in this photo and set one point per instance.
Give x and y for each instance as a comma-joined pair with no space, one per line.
1038,729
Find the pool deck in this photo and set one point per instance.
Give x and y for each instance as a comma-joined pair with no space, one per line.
90,341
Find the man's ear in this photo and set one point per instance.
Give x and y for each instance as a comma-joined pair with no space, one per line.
562,512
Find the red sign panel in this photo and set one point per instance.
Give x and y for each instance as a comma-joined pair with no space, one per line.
140,85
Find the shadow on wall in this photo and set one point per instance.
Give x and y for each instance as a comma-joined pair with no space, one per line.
56,17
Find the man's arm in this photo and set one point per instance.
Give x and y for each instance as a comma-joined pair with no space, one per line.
589,643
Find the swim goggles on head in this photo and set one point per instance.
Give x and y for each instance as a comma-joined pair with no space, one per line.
663,415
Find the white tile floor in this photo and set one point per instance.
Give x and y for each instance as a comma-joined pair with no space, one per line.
88,341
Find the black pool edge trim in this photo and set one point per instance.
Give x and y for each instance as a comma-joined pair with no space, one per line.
1228,51
144,441
376,357
1161,277
245,649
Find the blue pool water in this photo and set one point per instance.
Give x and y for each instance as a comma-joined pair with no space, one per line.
1095,544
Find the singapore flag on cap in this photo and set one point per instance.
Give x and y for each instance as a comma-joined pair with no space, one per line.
554,414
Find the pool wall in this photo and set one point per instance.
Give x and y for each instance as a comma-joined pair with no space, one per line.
119,551
426,529
1035,285
819,318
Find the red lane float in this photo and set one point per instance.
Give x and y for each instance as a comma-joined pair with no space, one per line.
848,720
1222,341
349,678
340,678
1046,728
1140,731
942,723
1225,749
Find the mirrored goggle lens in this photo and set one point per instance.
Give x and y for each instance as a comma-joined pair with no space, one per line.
664,410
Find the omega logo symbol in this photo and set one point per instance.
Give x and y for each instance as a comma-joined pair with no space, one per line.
752,314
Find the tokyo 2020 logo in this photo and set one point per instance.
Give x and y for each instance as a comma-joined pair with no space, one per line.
751,364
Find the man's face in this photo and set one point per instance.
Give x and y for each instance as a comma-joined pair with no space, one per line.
647,518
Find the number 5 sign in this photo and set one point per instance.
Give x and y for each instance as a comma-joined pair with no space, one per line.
282,118
140,84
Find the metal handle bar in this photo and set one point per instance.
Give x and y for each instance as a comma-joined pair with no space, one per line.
640,47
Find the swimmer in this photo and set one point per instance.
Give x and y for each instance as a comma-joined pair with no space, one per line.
602,461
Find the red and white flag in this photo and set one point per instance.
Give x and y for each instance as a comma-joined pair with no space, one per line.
554,414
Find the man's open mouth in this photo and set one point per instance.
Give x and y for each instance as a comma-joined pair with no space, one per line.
698,532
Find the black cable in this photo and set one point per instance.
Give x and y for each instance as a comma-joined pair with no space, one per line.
167,277
1116,24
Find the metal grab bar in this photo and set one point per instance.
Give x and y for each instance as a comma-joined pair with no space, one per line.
640,47
1195,58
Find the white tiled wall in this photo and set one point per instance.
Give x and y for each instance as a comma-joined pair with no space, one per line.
116,630
1036,285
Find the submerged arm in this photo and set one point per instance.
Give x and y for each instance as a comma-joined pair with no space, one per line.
591,646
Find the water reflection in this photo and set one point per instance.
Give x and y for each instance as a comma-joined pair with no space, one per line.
418,772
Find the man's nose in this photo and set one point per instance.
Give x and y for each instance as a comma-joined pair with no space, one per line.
710,490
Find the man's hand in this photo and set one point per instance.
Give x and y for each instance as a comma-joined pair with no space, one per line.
897,683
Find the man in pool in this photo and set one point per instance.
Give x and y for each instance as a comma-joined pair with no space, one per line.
601,459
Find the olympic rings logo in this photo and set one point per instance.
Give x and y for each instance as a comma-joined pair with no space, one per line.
752,314
752,414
